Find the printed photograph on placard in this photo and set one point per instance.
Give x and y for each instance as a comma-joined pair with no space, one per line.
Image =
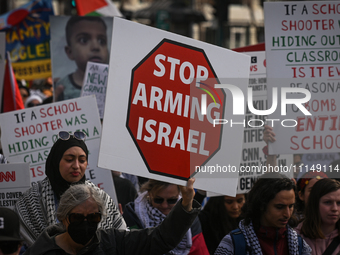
75,41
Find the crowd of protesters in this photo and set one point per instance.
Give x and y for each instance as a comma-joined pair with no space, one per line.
65,214
278,215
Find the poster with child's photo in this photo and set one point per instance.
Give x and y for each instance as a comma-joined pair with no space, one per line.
75,40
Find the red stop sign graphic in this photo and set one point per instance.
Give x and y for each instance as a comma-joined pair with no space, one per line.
164,115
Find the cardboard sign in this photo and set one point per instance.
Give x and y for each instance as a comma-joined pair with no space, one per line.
28,135
302,50
15,180
95,81
154,124
253,157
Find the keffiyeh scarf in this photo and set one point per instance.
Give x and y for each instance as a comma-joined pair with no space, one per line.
152,217
36,209
226,246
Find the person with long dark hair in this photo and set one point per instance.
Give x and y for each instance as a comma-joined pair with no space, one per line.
266,225
321,226
219,216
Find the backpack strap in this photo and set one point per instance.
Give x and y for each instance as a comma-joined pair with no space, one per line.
300,240
331,248
239,242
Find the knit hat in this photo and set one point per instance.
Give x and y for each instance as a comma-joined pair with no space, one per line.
9,225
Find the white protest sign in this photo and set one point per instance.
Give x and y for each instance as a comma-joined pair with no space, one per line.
15,180
253,160
2,62
95,81
302,50
153,125
27,136
258,75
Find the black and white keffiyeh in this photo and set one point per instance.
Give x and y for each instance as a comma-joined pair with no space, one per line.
226,246
152,217
36,209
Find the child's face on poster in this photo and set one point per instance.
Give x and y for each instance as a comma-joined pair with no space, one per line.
88,42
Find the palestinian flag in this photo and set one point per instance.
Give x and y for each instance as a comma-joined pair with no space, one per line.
11,100
97,8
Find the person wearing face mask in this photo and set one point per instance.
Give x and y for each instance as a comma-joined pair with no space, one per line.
65,165
151,207
219,216
81,209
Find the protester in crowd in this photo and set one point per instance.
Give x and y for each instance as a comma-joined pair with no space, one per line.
10,240
304,187
47,87
86,41
33,100
321,226
151,207
125,190
65,165
219,216
24,92
36,88
266,224
77,236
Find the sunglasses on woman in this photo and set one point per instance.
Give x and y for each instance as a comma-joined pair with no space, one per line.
64,135
160,200
79,218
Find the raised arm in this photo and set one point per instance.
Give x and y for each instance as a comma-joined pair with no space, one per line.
269,136
168,234
188,194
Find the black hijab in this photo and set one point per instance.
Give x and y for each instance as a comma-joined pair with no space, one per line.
59,184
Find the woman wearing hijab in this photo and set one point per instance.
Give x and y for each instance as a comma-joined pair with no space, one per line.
65,165
153,205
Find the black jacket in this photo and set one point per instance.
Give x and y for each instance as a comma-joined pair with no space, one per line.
159,240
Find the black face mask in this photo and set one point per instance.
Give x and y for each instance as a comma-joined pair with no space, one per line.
82,233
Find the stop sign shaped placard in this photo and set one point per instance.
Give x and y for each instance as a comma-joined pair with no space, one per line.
165,118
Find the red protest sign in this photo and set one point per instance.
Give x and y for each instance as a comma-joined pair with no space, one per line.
164,115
